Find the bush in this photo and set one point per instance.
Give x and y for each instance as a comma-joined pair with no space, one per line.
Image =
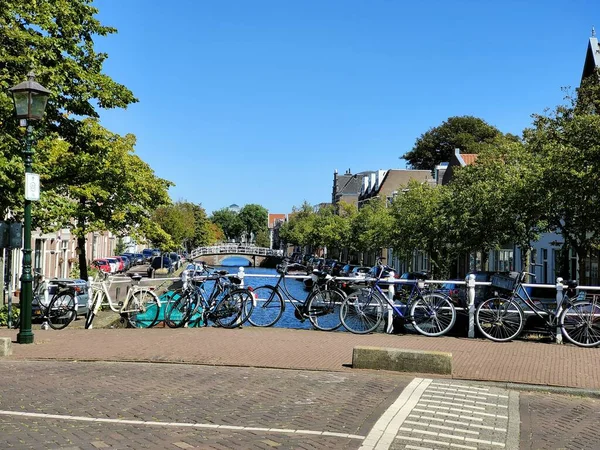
4,315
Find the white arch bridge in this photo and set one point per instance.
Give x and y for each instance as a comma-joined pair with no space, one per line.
215,254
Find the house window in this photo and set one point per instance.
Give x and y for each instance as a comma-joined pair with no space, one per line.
505,260
37,255
544,265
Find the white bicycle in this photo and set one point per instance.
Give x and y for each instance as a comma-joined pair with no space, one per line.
140,309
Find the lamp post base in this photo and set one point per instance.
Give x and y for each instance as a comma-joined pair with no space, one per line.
25,337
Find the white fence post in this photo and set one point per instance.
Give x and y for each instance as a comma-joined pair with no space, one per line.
390,311
471,299
241,275
559,299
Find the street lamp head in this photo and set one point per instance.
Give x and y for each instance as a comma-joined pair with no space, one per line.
30,98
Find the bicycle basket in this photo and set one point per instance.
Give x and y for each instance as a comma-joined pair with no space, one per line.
505,282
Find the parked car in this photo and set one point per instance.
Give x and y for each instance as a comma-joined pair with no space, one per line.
149,253
314,263
481,292
176,259
102,265
160,262
347,269
138,259
329,265
127,262
453,290
114,264
135,259
360,272
41,296
121,264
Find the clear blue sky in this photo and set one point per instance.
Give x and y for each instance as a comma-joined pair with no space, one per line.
254,101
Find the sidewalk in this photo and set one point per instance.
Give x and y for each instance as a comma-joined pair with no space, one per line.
473,359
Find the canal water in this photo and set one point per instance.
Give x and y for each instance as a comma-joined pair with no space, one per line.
294,286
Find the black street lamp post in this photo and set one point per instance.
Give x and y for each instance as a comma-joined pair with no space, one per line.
30,102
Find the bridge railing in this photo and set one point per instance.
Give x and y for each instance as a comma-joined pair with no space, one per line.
235,249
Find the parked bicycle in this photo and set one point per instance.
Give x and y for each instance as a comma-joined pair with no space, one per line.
140,309
59,310
431,313
321,306
226,305
502,319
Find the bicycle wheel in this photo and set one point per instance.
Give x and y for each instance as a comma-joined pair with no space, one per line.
499,319
362,311
62,310
268,307
143,309
433,314
178,311
323,309
580,323
229,311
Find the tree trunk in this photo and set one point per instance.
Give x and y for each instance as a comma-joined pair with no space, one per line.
83,273
582,254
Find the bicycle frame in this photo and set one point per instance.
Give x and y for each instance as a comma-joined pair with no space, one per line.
549,317
101,290
414,293
288,297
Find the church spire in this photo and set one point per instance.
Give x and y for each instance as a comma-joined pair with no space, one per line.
593,32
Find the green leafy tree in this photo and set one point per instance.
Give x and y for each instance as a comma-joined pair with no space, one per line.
178,221
202,233
499,199
100,184
229,221
262,238
330,230
437,145
297,230
371,226
255,218
56,38
568,142
420,221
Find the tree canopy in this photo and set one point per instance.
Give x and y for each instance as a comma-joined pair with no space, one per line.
438,144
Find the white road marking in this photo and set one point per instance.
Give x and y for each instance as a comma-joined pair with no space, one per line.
460,386
446,408
176,424
442,427
465,391
456,422
456,416
464,400
439,402
385,429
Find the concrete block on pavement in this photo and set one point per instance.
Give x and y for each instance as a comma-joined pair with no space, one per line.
5,346
400,360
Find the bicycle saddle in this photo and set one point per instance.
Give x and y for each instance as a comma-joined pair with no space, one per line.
571,284
136,277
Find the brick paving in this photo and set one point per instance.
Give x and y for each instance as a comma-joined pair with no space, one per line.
473,359
550,421
304,409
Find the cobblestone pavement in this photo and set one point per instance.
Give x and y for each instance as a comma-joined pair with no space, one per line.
472,359
95,405
551,421
303,409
